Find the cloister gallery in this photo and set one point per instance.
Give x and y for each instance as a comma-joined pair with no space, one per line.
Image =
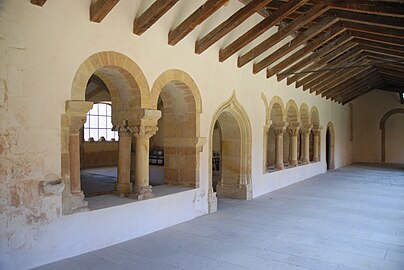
108,133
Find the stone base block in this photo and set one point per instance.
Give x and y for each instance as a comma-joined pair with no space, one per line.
241,192
142,193
78,203
212,201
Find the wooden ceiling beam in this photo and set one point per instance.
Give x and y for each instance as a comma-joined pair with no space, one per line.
342,76
296,42
370,7
38,2
374,29
323,71
360,82
193,20
353,82
315,62
260,28
100,8
378,38
375,44
310,47
152,15
231,23
363,18
282,33
374,84
383,52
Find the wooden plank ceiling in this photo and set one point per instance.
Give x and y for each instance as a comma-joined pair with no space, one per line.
339,49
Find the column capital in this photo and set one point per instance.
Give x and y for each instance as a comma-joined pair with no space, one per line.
124,129
141,131
76,122
279,128
305,130
293,130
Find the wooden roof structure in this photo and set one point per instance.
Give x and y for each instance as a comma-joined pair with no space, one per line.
339,49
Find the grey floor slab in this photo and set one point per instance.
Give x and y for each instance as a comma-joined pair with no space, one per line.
348,219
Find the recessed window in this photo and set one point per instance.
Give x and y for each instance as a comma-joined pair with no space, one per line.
99,125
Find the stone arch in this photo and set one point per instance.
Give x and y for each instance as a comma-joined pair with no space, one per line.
314,117
382,126
274,119
275,111
304,119
291,112
304,114
179,78
315,134
130,97
181,107
108,62
236,128
330,146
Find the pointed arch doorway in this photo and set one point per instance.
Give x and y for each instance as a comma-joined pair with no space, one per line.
230,154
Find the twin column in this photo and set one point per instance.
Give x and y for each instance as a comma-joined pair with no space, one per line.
123,187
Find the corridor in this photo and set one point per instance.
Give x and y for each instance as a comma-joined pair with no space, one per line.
348,219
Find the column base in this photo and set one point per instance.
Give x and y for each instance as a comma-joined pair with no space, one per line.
293,163
279,166
78,204
123,189
316,160
142,193
305,162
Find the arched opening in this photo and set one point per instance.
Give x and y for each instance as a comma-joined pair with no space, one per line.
110,77
176,145
290,138
315,135
392,149
98,143
276,119
233,137
302,140
330,143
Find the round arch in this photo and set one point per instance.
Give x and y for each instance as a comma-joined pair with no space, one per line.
314,117
382,126
180,79
102,61
181,105
275,111
240,123
304,114
291,112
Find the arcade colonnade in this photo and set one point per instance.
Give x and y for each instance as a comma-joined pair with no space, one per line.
292,134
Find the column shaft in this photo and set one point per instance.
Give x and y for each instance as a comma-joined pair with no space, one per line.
315,147
279,149
74,152
123,186
306,153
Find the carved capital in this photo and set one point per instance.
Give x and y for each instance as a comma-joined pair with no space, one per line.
306,130
293,131
144,131
279,129
123,130
76,122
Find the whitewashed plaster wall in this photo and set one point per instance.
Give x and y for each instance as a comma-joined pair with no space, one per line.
368,112
40,52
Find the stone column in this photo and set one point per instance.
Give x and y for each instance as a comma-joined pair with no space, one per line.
293,132
76,123
306,138
72,121
142,190
316,140
123,186
279,130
